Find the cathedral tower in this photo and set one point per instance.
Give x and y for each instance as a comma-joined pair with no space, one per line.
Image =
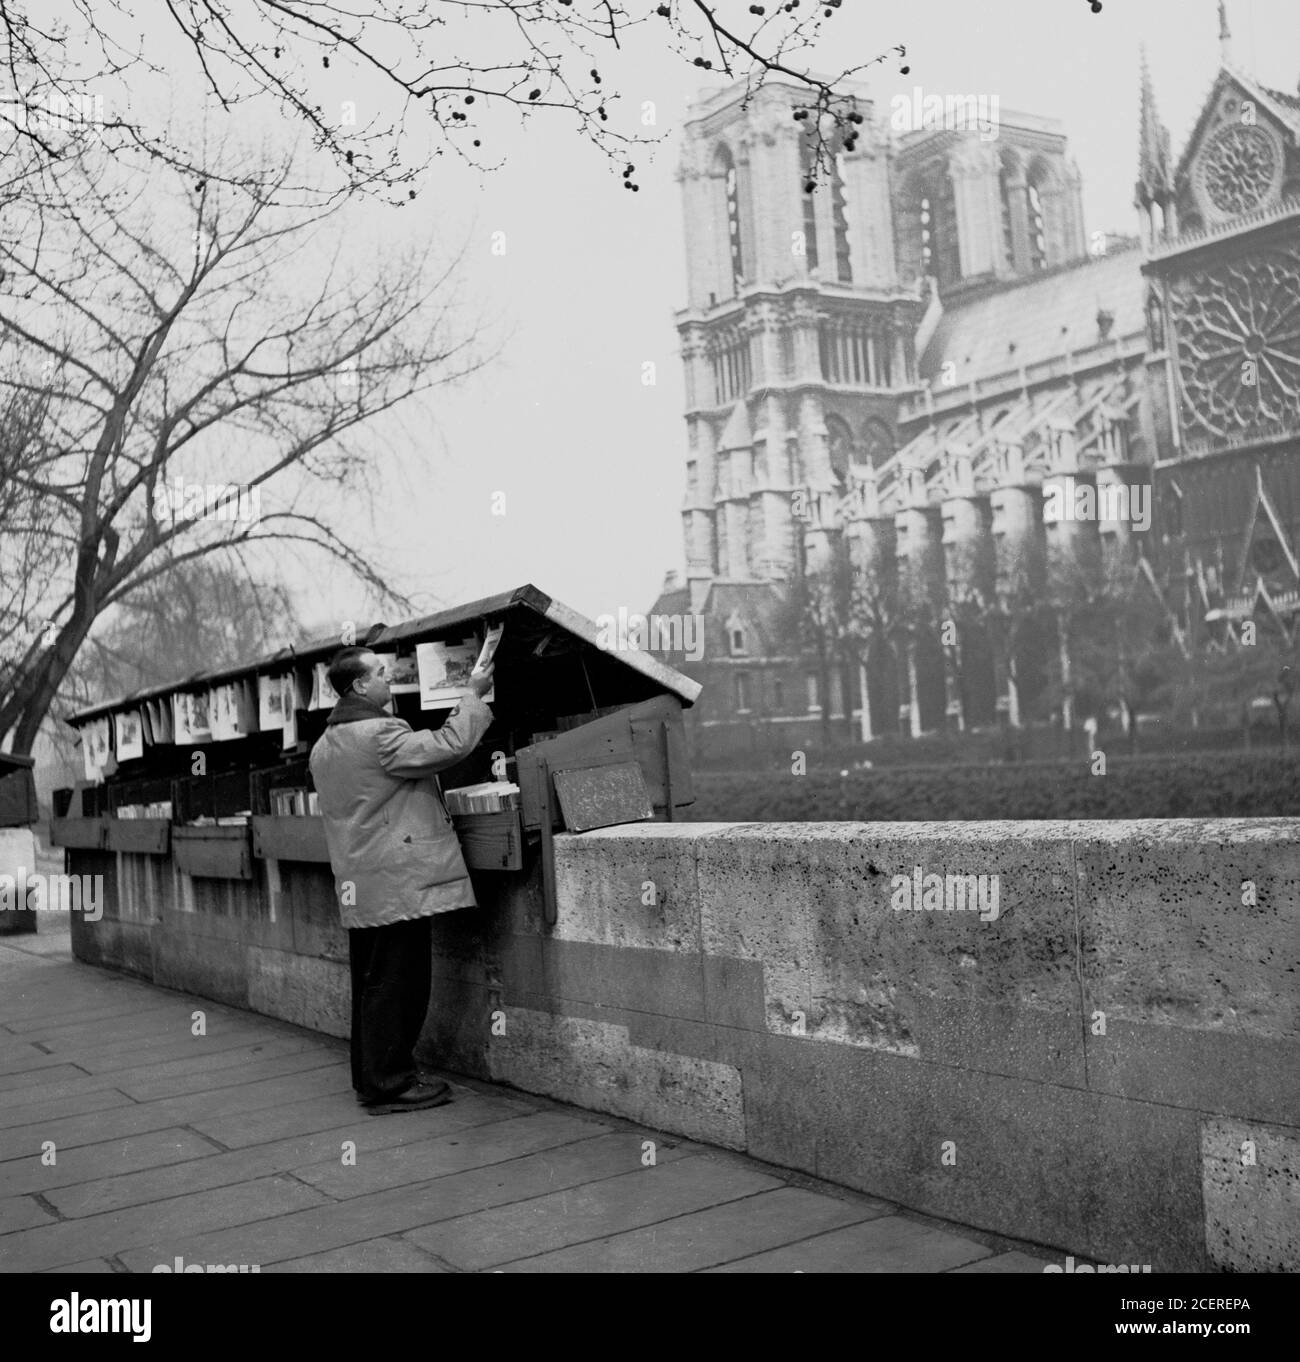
798,335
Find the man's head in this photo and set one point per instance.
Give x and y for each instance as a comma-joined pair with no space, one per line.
357,671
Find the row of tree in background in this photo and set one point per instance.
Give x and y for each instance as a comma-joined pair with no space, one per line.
963,642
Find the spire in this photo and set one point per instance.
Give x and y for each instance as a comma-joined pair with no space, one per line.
1155,180
1225,35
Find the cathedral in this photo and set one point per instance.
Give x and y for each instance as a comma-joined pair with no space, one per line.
923,393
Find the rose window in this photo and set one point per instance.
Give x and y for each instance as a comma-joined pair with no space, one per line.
1240,169
1238,336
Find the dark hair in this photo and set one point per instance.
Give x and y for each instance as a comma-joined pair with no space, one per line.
347,667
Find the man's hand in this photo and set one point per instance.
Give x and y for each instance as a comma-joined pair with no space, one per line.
481,682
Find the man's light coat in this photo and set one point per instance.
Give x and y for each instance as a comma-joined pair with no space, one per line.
392,846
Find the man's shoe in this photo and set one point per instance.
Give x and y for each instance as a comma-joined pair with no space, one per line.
418,1097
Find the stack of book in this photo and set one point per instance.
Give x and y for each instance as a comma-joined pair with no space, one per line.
162,809
493,796
291,803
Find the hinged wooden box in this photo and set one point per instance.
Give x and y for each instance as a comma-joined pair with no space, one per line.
142,836
221,853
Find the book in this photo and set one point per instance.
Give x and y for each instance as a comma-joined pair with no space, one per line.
290,707
221,713
444,672
323,695
160,719
190,718
492,796
95,748
491,641
128,733
446,668
270,702
403,674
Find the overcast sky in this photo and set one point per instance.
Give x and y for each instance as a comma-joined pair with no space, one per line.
591,461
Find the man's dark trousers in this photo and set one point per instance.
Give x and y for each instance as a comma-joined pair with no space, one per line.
391,977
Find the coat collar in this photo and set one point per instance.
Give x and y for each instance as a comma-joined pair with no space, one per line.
351,709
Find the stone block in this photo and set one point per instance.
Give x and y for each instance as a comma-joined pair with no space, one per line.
593,1065
309,992
1251,1181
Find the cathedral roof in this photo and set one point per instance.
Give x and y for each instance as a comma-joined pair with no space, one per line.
1030,321
759,604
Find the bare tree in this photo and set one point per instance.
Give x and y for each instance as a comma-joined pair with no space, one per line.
155,328
200,615
446,70
815,613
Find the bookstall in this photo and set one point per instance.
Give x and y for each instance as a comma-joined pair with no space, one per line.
18,814
210,773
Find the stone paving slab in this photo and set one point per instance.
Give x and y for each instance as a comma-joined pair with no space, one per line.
374,1255
76,1104
67,1132
109,1234
91,1164
301,1156
35,1078
203,1073
1006,1262
22,1213
890,1244
246,1147
589,1211
703,1239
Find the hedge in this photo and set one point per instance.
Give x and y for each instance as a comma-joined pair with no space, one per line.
1204,785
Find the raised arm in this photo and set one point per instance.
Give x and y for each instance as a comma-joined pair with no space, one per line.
412,755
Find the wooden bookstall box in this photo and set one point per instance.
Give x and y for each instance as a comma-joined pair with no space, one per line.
290,838
17,792
86,834
219,853
141,836
491,841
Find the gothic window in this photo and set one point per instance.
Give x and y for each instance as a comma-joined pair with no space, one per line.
814,692
945,256
1155,322
726,169
1239,343
1007,175
877,443
845,352
730,359
742,691
839,441
927,235
736,636
778,695
1240,169
809,203
721,558
1037,225
843,264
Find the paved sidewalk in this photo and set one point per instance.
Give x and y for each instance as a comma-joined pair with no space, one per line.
126,1141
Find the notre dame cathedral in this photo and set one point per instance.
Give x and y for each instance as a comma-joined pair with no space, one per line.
907,370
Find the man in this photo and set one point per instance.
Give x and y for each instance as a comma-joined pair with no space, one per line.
396,861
